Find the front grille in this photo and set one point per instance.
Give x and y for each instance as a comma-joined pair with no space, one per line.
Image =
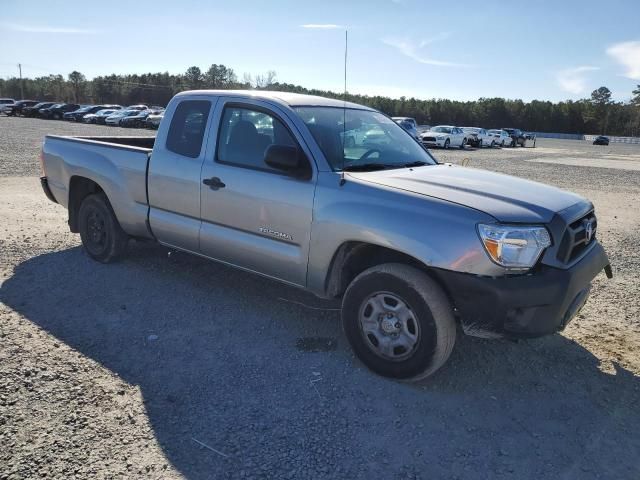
575,238
428,139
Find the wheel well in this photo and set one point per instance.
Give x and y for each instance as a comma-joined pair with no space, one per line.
353,258
79,188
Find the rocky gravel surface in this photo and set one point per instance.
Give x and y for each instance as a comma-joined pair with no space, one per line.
167,366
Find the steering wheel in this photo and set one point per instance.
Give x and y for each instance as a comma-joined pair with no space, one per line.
369,152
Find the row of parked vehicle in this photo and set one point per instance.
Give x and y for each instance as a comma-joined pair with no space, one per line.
448,136
135,116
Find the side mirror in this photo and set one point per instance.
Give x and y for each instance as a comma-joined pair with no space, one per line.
287,158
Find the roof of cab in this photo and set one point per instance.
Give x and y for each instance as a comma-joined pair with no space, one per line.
286,98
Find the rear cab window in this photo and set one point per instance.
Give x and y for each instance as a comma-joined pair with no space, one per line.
188,124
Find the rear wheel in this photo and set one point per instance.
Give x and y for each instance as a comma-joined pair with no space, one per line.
464,142
101,234
398,321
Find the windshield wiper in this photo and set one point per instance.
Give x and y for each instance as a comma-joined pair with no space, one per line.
365,167
414,164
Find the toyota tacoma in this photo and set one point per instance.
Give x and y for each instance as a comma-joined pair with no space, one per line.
264,181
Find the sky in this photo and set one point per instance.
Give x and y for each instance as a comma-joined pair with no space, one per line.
461,50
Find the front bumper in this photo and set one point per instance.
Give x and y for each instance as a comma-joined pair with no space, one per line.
530,305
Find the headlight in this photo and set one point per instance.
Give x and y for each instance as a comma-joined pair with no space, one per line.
514,247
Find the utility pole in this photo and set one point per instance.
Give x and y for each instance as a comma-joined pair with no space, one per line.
21,86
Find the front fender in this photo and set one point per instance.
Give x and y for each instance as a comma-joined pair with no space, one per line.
438,233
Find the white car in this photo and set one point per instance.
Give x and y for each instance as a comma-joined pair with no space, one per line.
502,138
6,104
444,136
479,137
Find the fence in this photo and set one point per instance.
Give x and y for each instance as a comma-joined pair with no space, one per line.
588,138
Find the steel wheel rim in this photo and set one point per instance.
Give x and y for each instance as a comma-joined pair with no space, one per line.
96,232
389,326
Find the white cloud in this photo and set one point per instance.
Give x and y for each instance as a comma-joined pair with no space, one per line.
44,29
574,80
627,54
412,50
321,26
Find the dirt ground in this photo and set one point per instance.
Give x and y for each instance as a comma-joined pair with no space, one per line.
168,366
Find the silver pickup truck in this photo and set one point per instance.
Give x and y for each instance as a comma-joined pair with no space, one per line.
336,198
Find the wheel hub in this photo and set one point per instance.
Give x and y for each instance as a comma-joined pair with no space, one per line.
389,326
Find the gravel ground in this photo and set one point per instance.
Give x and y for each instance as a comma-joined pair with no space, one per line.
167,366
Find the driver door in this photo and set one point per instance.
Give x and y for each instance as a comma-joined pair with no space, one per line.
254,216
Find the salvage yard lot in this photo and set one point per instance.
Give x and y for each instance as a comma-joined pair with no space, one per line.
128,370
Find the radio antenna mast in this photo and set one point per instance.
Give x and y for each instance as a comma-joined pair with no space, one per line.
344,105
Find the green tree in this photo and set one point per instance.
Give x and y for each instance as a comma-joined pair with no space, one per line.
78,83
193,78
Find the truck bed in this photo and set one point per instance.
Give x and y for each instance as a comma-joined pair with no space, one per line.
117,164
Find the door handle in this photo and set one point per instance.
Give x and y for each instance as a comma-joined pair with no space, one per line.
214,183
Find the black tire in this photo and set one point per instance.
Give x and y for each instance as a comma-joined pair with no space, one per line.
102,237
57,116
464,142
480,143
502,144
430,310
446,144
493,143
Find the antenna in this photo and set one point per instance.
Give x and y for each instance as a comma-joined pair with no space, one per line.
344,105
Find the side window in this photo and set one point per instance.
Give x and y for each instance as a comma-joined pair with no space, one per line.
187,127
245,135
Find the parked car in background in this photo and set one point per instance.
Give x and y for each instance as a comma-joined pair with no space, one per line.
139,120
137,107
517,137
6,101
479,137
408,123
17,107
444,136
78,115
115,118
601,140
56,112
6,104
99,117
34,111
153,120
502,138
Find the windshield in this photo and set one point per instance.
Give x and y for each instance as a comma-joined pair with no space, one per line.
441,129
367,138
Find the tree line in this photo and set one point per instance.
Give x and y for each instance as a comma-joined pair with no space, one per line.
598,114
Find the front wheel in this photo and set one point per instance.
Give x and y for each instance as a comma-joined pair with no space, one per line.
446,144
493,143
480,143
502,144
102,236
464,142
398,321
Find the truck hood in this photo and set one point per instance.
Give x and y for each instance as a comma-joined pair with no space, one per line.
508,199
